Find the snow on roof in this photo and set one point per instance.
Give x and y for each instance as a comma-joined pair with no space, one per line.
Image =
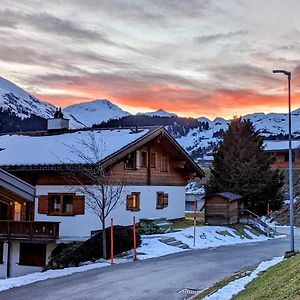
17,149
271,145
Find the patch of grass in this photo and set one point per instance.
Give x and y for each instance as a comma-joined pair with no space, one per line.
240,230
218,285
185,223
225,233
182,223
199,215
279,282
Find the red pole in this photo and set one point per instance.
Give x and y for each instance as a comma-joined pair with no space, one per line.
111,241
268,208
195,211
134,240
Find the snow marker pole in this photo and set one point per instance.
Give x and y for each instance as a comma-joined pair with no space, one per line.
195,209
134,240
111,240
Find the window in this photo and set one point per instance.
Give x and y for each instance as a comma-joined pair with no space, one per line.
60,204
32,254
130,161
1,252
153,160
164,163
162,200
133,202
64,204
286,156
143,159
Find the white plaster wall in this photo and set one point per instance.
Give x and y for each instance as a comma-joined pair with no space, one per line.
82,225
19,270
3,267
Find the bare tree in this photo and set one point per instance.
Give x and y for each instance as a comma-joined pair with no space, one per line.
103,194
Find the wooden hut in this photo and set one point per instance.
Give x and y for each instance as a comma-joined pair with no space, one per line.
222,208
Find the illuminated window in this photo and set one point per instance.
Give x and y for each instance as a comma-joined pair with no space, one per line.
133,202
17,213
162,200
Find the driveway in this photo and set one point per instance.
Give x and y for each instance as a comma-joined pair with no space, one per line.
158,278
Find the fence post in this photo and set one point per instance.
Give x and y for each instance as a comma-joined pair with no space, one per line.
134,240
111,241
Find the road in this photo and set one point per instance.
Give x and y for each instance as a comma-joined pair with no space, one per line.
158,278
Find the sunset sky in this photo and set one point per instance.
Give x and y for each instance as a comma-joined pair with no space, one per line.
193,57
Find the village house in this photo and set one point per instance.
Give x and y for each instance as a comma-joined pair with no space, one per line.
154,167
280,149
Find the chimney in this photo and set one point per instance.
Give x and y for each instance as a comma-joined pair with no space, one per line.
58,122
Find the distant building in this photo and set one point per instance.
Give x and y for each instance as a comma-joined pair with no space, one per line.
193,193
280,149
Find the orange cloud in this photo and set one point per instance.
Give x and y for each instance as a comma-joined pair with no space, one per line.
181,100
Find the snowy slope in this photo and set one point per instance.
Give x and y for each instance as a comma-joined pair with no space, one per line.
94,112
158,113
21,103
272,124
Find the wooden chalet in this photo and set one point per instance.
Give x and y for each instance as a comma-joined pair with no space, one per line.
280,150
153,165
222,208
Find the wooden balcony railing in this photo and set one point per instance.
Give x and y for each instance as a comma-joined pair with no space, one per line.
29,230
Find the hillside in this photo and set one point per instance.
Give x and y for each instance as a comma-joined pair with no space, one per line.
279,282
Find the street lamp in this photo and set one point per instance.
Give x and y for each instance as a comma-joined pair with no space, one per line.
289,75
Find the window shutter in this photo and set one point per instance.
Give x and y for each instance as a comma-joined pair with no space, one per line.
78,205
43,204
129,202
138,160
165,200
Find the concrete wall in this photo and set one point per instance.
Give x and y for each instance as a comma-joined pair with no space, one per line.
15,268
82,225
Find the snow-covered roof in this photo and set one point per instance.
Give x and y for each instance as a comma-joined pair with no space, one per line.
17,149
271,145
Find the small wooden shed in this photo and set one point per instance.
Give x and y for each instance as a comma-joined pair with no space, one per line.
222,208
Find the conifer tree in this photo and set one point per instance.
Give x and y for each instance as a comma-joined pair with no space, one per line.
242,166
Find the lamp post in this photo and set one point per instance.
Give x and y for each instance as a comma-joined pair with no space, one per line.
289,76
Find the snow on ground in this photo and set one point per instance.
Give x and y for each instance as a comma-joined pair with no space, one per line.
236,286
206,237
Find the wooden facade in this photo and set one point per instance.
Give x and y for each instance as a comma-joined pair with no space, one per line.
222,209
170,168
282,159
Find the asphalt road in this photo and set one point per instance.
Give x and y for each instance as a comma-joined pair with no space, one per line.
158,278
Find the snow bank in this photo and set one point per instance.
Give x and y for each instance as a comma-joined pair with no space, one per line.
236,286
9,283
206,237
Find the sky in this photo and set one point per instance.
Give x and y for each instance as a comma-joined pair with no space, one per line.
194,58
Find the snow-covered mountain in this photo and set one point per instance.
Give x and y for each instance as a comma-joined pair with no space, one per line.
20,111
158,113
200,141
22,104
94,112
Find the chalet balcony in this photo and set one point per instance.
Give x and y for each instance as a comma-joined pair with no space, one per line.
29,230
